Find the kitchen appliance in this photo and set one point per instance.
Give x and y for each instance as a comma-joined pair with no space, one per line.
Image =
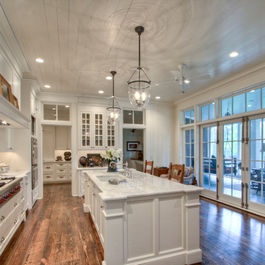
34,169
5,180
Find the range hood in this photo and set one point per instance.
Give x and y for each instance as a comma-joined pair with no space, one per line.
11,115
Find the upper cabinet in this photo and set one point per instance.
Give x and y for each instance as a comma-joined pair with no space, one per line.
133,117
95,131
56,112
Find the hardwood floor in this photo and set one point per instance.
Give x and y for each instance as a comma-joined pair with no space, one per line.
231,237
57,232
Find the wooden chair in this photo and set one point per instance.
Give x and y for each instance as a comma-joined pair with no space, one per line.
176,172
168,173
148,167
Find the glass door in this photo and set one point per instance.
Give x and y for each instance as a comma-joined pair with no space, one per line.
209,157
230,162
255,177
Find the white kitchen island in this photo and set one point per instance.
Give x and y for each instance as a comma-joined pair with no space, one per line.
144,219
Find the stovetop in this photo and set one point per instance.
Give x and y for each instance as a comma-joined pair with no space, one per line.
6,179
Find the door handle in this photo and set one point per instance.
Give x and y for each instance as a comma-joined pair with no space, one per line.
217,188
242,196
246,186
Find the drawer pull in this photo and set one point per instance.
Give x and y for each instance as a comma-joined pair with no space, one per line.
15,204
15,221
2,218
2,240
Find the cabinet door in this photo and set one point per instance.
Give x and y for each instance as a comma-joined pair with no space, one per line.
85,132
95,131
98,130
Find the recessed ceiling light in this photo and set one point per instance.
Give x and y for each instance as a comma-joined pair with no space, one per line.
157,97
101,92
67,106
186,81
47,86
39,60
108,77
233,54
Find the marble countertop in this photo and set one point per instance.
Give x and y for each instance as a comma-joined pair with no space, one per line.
141,184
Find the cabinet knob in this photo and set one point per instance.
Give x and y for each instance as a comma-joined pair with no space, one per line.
101,206
2,240
2,218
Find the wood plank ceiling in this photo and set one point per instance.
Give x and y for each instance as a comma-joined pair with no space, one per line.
81,41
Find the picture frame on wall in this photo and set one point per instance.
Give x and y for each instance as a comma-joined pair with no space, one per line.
5,90
132,145
15,102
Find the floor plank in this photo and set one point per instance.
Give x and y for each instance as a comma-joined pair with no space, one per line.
57,232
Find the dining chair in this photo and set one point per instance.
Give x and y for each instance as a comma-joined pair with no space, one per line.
168,173
148,167
176,172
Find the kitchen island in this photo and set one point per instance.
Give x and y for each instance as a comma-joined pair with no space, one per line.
144,219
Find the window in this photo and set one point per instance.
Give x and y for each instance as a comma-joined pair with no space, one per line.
133,117
207,112
54,112
209,157
253,100
239,104
189,148
189,116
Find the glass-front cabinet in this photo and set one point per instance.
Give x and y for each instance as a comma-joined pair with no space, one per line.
56,112
95,130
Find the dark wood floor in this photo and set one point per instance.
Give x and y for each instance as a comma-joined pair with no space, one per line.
57,232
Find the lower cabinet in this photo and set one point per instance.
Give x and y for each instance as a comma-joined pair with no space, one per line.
12,213
57,172
95,206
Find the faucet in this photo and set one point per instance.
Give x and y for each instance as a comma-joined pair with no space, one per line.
127,172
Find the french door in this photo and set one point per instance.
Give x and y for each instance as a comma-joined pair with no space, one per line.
255,169
230,162
233,162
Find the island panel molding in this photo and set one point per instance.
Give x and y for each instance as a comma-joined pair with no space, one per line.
153,220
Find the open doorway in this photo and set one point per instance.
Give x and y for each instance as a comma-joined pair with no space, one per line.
56,154
133,148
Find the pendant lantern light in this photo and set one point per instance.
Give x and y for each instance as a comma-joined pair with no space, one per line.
114,109
139,89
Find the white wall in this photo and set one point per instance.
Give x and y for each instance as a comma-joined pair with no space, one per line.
159,138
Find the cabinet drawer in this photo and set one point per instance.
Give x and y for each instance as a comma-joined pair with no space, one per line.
10,205
5,227
48,167
48,177
62,177
60,165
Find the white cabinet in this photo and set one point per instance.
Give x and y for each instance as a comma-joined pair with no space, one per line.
57,172
94,205
95,132
7,136
12,213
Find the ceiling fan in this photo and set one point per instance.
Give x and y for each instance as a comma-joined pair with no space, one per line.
184,79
